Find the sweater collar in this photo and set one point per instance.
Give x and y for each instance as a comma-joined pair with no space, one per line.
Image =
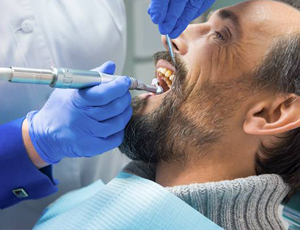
245,203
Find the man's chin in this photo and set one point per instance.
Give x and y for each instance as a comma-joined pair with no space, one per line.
143,133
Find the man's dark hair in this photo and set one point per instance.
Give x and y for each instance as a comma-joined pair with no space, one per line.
293,3
280,74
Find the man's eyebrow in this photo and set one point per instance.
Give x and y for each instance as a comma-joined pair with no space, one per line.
210,14
227,14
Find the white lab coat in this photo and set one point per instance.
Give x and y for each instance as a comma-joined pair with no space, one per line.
63,33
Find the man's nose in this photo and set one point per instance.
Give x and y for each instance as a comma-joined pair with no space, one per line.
180,45
191,34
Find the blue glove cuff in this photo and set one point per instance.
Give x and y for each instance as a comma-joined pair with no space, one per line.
34,139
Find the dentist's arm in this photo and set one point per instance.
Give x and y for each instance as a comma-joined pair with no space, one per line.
173,16
32,153
73,123
20,179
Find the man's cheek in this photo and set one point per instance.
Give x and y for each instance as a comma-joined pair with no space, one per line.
200,69
203,62
223,64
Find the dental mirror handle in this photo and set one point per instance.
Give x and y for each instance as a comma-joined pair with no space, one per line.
65,78
169,42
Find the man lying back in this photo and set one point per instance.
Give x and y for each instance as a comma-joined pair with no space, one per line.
232,111
225,136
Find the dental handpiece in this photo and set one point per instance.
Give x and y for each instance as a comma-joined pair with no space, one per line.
66,78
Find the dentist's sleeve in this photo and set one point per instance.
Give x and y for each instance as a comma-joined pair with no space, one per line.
19,178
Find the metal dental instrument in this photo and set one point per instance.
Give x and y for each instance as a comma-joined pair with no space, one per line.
155,83
171,49
66,78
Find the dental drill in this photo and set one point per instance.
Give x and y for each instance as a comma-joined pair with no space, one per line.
67,78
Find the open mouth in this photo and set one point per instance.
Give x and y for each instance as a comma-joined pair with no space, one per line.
165,73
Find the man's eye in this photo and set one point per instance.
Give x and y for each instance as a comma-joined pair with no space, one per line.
219,36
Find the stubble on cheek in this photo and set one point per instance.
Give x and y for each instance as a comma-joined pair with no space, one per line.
206,115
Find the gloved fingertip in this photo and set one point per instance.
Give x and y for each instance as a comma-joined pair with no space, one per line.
177,31
126,80
167,28
149,9
175,34
162,30
108,67
110,63
156,18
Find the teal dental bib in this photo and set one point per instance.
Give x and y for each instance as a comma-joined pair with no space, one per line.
127,202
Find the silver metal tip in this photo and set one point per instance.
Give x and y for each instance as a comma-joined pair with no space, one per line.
159,90
154,82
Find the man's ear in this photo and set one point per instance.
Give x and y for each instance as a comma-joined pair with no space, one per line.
273,117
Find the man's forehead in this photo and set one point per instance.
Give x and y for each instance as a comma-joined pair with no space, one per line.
272,15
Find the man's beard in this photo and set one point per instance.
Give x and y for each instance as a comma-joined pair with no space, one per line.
170,131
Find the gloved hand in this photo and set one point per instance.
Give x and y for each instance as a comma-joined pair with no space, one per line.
173,16
82,123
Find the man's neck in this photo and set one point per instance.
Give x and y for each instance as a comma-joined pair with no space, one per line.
173,174
210,167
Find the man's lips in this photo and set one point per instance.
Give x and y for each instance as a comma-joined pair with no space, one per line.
152,101
165,64
146,95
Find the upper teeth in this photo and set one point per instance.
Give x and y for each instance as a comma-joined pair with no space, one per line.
167,75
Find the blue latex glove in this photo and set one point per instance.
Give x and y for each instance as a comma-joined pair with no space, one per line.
173,16
82,123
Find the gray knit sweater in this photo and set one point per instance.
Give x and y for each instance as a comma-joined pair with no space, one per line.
248,203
